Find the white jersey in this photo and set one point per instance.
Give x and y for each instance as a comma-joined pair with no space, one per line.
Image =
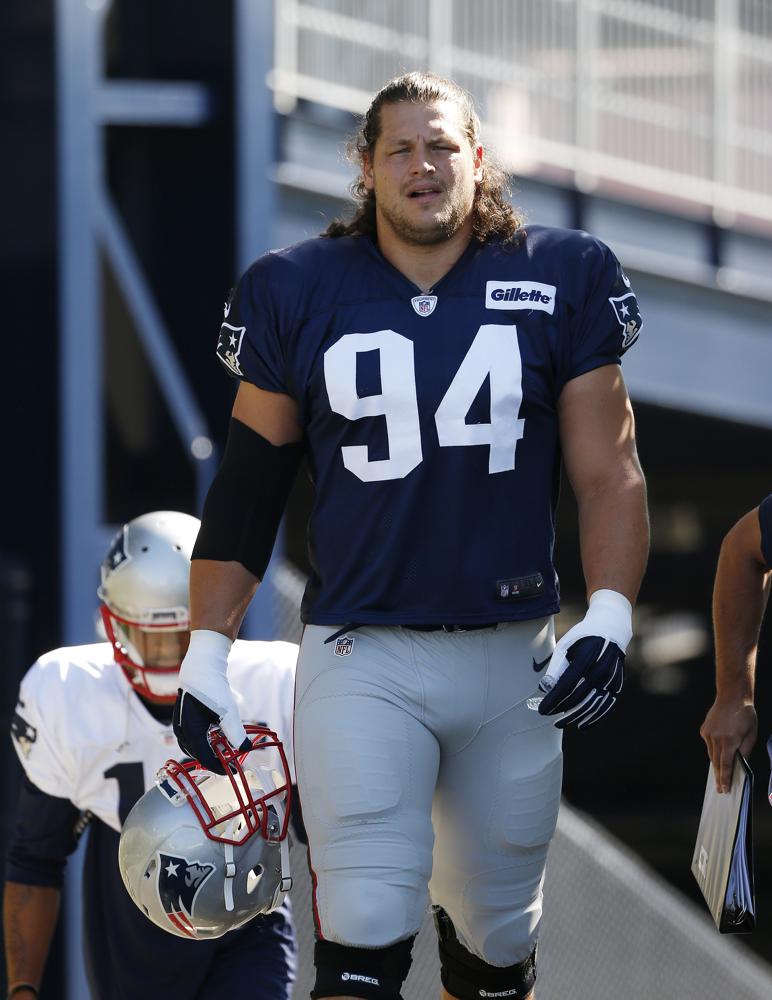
82,733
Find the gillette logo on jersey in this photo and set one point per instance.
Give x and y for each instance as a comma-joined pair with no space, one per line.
179,882
520,295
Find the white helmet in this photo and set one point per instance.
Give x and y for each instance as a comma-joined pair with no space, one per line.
201,853
145,605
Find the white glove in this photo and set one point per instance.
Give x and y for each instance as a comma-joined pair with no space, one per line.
586,670
205,698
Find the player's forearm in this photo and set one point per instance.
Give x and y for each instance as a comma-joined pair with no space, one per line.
614,533
220,593
29,918
739,598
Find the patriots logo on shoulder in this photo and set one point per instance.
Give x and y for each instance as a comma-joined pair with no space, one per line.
629,316
229,347
424,305
179,882
24,734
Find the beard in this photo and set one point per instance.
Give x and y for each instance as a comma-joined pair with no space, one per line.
436,229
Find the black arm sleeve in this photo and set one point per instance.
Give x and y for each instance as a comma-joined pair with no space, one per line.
246,500
45,834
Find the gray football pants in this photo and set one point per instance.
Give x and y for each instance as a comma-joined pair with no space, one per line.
422,772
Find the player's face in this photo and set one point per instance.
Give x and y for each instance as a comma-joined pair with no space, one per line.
423,171
160,647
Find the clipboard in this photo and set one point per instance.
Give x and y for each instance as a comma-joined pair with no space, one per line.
723,854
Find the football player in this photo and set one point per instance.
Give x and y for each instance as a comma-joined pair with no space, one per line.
740,594
436,358
91,728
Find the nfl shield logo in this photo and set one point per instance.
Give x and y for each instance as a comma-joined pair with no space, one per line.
628,316
424,304
344,645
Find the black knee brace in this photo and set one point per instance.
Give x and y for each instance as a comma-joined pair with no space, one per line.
372,973
467,977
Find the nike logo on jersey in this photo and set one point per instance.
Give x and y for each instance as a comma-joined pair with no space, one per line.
531,295
541,664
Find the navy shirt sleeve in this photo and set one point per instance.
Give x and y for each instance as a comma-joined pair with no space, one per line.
765,523
45,834
249,344
608,322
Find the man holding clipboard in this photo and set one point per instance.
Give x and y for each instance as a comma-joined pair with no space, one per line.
740,595
723,854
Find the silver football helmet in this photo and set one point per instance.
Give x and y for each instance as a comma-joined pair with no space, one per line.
201,853
144,594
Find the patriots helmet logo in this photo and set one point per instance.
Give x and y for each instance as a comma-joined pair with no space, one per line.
179,882
117,555
629,317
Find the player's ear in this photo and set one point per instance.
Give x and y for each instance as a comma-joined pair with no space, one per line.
367,171
478,163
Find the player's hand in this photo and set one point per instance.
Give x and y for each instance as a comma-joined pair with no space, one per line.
729,726
205,699
586,671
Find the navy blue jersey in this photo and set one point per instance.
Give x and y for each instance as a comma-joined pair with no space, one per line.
431,419
765,523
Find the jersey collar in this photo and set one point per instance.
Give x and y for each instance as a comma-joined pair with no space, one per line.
404,283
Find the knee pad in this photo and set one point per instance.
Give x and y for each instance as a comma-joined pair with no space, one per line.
467,977
372,973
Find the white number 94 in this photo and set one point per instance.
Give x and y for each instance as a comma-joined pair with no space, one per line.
493,353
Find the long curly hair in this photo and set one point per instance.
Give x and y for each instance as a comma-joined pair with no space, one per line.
493,215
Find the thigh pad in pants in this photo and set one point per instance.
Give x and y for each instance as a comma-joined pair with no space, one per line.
366,769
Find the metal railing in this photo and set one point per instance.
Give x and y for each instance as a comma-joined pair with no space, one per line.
666,98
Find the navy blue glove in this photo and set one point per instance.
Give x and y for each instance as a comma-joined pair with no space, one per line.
586,670
590,684
205,699
192,722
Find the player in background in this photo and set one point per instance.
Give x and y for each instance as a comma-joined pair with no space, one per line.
91,728
740,594
436,358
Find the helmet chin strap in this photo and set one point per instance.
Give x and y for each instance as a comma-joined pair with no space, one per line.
286,879
163,683
230,874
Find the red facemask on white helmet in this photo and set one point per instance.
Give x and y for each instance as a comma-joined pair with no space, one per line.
144,594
